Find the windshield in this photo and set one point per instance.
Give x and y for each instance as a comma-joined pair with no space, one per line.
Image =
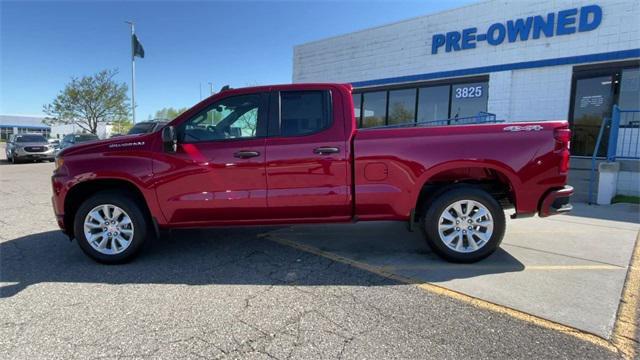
85,137
30,138
141,128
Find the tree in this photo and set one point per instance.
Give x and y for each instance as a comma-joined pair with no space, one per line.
88,101
169,113
248,122
399,114
122,126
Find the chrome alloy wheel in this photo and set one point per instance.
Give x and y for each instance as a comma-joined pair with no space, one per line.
465,226
108,229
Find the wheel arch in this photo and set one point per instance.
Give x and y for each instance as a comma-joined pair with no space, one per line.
497,179
83,190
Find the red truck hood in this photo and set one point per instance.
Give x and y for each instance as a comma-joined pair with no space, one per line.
120,142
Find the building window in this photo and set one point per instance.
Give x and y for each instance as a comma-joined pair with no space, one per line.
402,106
5,132
468,100
433,103
374,109
629,98
438,104
595,90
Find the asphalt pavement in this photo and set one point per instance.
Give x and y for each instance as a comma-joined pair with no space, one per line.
228,293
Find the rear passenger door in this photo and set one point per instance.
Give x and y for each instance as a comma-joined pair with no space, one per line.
306,157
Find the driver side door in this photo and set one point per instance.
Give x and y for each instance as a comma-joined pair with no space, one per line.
217,175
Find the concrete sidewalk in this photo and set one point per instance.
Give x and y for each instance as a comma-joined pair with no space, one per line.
569,269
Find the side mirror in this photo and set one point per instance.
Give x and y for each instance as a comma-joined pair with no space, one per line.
170,139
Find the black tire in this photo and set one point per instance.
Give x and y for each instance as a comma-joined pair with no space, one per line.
14,160
434,209
131,207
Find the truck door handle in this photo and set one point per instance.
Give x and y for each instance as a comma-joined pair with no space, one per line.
245,154
323,150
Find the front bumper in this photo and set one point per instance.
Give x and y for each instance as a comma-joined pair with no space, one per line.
57,200
556,202
20,153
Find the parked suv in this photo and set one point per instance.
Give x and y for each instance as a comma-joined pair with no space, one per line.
25,147
72,139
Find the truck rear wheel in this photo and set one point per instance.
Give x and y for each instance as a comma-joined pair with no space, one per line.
464,224
110,227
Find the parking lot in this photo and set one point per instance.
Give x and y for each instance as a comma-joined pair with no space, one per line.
324,291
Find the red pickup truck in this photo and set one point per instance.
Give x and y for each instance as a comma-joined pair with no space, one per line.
293,154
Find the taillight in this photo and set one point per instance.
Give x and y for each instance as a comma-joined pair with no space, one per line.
562,135
563,139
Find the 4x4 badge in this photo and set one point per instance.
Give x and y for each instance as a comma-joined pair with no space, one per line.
523,128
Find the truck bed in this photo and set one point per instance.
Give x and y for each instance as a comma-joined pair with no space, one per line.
392,164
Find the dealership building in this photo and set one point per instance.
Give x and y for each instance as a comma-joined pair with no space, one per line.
505,60
21,124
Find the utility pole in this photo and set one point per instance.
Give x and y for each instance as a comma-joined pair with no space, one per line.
210,88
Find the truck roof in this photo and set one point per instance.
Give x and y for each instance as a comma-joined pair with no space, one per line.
284,87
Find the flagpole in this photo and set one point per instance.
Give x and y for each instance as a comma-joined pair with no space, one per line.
133,73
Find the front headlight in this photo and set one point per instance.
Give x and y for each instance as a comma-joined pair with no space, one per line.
59,162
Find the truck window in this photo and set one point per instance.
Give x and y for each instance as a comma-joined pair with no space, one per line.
230,118
304,112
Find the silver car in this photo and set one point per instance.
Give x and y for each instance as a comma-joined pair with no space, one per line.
29,147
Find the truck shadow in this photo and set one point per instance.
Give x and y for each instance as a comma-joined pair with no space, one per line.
231,256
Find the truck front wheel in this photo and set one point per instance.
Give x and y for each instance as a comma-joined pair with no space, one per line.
110,227
464,224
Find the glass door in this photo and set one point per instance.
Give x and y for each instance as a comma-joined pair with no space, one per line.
592,102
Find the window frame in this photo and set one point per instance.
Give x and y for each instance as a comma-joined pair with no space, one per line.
275,112
261,126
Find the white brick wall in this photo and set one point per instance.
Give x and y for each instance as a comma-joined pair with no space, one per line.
404,48
628,183
540,94
499,101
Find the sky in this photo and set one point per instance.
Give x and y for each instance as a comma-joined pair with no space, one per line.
43,44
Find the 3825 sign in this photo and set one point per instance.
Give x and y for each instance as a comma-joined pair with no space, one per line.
468,92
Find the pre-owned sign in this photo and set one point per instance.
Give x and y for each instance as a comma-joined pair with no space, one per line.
563,22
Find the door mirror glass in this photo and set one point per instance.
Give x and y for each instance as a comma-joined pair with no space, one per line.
169,139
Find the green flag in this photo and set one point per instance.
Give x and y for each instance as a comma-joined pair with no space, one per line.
138,50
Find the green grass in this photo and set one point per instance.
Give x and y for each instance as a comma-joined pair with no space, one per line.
626,199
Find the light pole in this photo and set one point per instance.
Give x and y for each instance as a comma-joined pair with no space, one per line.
133,73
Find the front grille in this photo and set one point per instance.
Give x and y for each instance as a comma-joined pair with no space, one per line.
35,148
